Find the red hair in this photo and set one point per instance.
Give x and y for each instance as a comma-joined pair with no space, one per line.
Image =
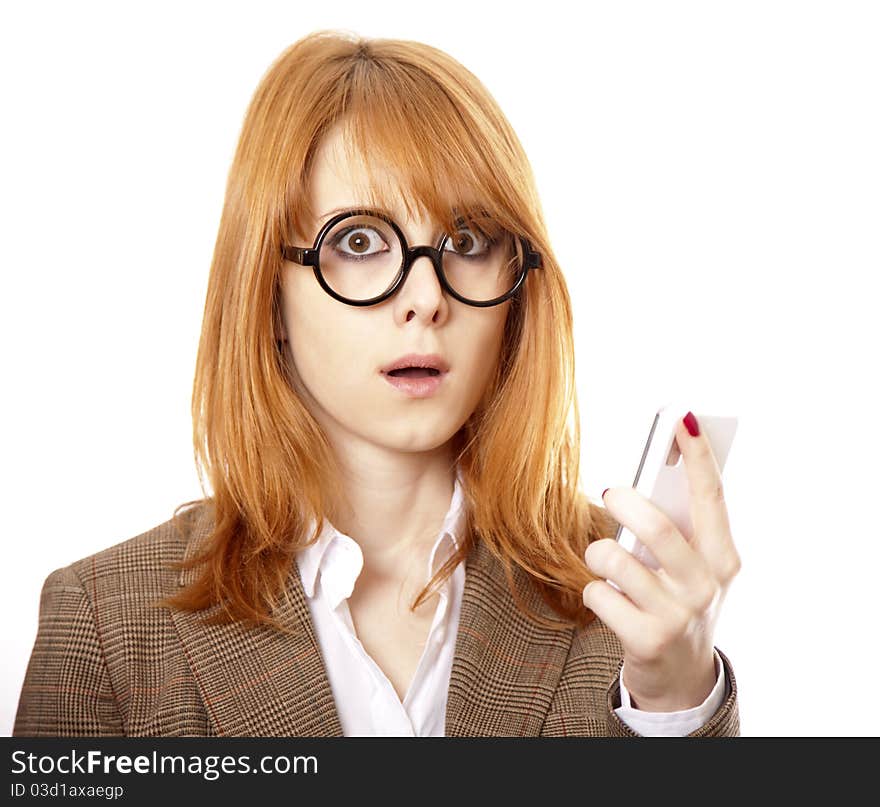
269,464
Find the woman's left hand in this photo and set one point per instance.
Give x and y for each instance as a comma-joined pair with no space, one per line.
665,619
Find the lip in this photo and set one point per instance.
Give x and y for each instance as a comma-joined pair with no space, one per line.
417,387
434,360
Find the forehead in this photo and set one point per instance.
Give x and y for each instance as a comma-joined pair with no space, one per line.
340,178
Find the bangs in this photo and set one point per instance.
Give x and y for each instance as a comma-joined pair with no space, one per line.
420,157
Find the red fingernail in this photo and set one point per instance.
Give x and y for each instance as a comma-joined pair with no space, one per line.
691,424
605,491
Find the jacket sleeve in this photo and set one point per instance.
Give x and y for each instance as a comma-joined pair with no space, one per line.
588,692
724,723
67,691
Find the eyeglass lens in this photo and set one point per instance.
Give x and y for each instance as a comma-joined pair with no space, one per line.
362,256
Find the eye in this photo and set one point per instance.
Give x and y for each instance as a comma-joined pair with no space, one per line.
359,239
469,242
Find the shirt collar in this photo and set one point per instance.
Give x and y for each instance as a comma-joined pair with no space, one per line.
338,557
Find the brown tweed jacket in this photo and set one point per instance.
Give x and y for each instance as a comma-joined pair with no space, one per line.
106,663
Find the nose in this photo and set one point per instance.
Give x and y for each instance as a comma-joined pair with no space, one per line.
424,252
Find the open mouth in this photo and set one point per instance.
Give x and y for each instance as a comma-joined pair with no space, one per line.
413,372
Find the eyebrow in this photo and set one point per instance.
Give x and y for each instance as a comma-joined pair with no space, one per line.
348,208
345,210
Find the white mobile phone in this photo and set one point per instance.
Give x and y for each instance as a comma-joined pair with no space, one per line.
662,477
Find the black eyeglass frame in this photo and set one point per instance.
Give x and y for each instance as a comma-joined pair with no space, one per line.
309,257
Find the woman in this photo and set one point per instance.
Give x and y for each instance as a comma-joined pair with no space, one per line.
395,543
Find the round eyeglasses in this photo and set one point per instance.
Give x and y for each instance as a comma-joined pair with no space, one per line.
360,257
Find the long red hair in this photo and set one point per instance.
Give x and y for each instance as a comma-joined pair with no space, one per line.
269,464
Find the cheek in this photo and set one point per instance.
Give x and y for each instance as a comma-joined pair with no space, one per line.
329,354
492,347
480,355
328,344
490,336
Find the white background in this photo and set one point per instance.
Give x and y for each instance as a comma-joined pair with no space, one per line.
710,177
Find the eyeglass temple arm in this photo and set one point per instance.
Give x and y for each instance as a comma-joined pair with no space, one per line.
533,260
301,255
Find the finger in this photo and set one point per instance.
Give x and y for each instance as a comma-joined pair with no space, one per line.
654,529
711,524
632,626
608,559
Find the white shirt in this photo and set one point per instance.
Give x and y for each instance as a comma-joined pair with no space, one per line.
367,702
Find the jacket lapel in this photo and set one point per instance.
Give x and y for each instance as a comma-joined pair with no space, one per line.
265,683
505,668
259,682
